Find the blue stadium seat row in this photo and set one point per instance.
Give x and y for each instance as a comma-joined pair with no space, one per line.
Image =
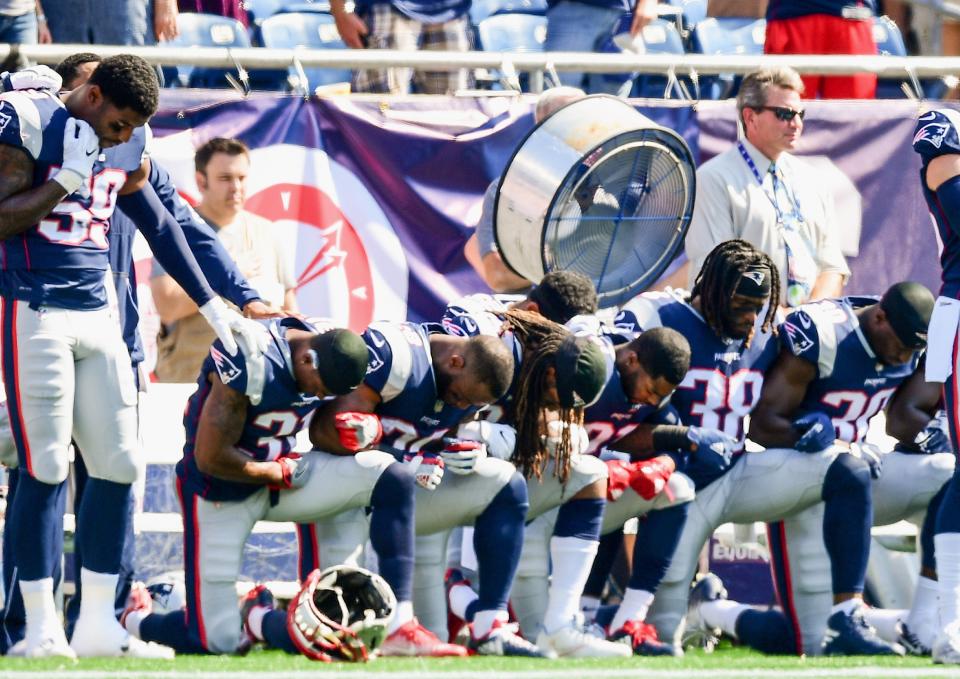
504,26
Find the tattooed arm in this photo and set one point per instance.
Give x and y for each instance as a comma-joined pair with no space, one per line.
220,427
20,206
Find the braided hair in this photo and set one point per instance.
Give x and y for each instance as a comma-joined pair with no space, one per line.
717,281
540,339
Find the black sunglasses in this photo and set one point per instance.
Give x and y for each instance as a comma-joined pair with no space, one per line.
782,112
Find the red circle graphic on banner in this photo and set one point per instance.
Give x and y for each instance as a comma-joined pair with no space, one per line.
333,243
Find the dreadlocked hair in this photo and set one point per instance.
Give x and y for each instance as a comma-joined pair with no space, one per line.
717,281
540,339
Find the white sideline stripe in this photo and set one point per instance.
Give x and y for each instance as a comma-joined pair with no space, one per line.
580,673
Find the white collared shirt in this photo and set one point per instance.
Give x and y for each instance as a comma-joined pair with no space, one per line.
731,204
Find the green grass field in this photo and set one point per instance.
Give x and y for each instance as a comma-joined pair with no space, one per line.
726,663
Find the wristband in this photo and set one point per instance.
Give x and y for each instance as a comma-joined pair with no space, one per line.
70,180
670,437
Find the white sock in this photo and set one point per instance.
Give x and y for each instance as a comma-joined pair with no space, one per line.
403,615
255,621
483,622
571,559
947,546
723,613
132,622
38,604
589,605
635,604
99,595
846,606
461,596
925,601
885,621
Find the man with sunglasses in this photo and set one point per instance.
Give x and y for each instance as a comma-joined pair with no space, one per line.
758,191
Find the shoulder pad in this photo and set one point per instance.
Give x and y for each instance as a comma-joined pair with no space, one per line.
936,134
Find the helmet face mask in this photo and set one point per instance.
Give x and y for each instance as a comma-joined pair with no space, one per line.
341,613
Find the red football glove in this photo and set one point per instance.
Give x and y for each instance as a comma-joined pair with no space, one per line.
358,431
646,477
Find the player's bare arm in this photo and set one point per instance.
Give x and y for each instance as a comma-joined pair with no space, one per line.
323,431
942,168
20,206
221,424
638,443
771,423
912,406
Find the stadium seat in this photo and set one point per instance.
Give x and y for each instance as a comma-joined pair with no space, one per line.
659,37
512,33
481,9
692,11
204,30
890,42
726,36
311,30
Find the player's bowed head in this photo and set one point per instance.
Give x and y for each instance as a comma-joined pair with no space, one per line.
560,373
735,284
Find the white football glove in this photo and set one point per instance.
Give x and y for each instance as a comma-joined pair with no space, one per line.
501,439
579,439
460,456
235,331
80,150
295,469
37,77
427,469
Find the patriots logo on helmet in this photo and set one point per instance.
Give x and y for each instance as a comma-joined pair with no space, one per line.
932,133
226,368
755,276
798,339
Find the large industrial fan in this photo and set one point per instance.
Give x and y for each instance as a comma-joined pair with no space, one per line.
600,189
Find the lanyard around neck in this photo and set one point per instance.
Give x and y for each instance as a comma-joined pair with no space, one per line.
795,204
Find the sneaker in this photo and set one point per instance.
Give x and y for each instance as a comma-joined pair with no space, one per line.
503,639
913,641
110,640
642,638
52,645
573,641
697,634
946,649
850,634
413,639
257,596
138,601
455,624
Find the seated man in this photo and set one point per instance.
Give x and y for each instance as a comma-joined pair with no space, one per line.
842,361
238,468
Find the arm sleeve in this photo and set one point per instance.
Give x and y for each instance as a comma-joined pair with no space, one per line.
167,241
221,271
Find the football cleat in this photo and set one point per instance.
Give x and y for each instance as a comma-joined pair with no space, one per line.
642,638
914,642
946,649
697,634
110,640
413,639
52,645
455,624
574,641
139,601
257,596
850,634
503,640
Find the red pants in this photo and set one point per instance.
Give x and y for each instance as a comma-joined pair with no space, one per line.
826,34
